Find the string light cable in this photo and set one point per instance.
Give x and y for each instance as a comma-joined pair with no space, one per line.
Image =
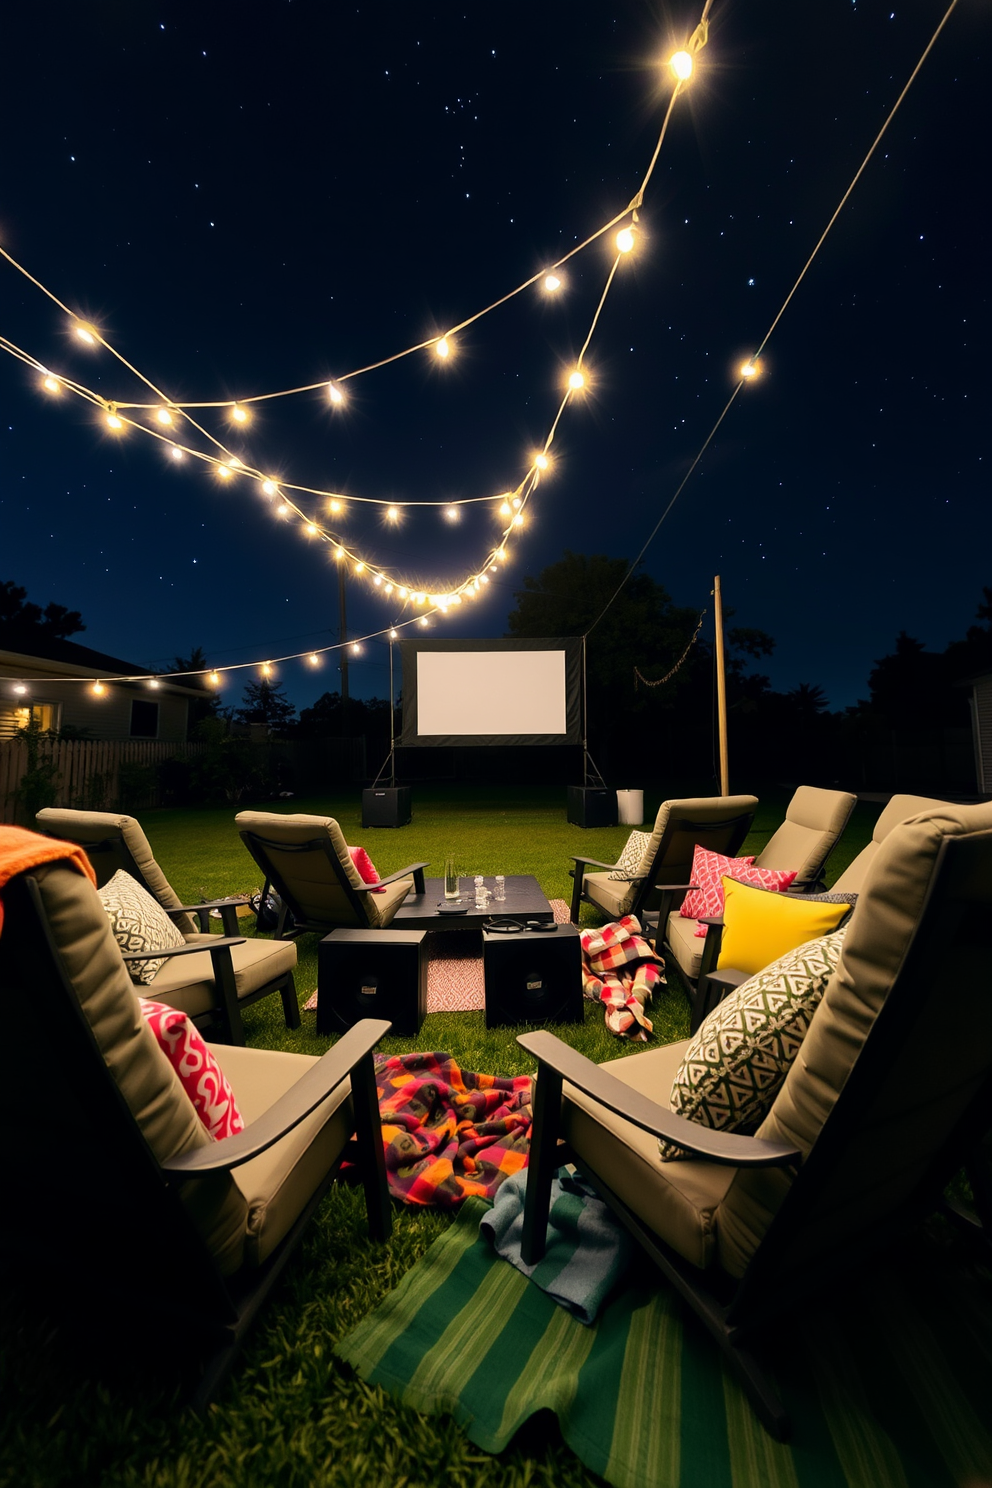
639,675
513,504
751,368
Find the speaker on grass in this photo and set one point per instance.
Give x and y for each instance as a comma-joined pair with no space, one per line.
533,977
386,806
592,806
371,974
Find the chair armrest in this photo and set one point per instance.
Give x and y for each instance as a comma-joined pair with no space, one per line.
217,943
228,913
715,920
675,888
729,978
289,1110
592,863
725,1148
417,869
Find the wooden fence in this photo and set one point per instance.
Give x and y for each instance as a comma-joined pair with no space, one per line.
90,774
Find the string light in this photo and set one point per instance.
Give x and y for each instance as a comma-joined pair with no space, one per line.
153,682
542,462
443,347
356,649
334,507
335,394
311,530
164,416
269,487
98,688
392,514
551,283
505,510
681,65
452,513
113,420
214,678
51,384
392,633
313,659
239,414
749,369
176,452
224,471
85,334
266,669
576,380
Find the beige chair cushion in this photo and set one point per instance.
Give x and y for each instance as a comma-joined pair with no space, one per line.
679,1200
878,935
685,945
279,1183
94,826
611,898
187,982
900,808
312,878
814,820
144,1076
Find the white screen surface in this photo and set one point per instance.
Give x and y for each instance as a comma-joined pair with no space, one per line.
491,692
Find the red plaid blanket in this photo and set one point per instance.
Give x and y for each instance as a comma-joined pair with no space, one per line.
449,1132
620,969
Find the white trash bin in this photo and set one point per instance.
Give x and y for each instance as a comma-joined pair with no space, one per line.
630,807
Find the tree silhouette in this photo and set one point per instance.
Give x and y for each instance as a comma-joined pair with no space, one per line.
19,616
265,703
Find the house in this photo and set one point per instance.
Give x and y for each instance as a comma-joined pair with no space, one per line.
981,728
60,684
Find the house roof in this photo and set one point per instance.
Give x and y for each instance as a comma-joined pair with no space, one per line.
20,647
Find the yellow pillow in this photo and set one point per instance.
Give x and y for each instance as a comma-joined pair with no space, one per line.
758,927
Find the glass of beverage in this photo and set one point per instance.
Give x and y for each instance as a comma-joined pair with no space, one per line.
450,879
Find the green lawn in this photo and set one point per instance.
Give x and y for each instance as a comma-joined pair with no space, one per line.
292,1414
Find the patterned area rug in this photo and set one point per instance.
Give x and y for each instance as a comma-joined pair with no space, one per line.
887,1380
454,968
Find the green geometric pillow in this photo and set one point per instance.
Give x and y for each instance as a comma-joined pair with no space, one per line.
733,1068
139,923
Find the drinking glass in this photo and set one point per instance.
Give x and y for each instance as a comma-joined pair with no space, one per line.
450,879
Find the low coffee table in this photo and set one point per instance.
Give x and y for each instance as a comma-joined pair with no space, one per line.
524,899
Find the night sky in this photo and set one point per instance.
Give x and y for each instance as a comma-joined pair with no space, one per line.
246,198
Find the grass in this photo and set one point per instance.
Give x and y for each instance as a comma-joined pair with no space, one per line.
293,1414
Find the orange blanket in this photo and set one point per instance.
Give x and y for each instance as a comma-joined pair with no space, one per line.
20,851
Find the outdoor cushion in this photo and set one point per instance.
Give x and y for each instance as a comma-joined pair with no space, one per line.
733,1067
679,1200
630,860
612,899
709,869
279,1183
146,1080
366,869
814,820
759,927
199,1073
139,923
187,982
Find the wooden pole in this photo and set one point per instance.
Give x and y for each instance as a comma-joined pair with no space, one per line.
721,690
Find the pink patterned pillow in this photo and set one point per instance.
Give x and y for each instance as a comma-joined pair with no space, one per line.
708,871
199,1073
364,867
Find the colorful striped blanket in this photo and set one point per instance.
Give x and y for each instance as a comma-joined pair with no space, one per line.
449,1133
621,970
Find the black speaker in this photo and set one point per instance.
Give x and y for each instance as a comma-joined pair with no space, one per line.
372,974
592,806
533,977
386,806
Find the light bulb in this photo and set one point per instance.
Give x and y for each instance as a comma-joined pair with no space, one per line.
266,669
339,554
164,416
334,507
749,369
392,634
313,658
681,65
99,688
392,513
282,510
176,452
452,513
502,555
442,347
86,335
51,384
20,689
576,380
113,422
214,678
311,530
504,510
389,588
359,567
421,598
356,649
269,487
516,502
423,619
402,592
541,461
239,414
625,239
377,581
551,283
518,520
234,461
334,393
456,599
153,682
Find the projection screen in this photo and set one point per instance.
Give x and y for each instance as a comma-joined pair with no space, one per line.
491,692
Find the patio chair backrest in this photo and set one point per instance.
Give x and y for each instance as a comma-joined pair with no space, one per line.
814,821
99,1107
895,1072
307,860
114,841
718,823
899,809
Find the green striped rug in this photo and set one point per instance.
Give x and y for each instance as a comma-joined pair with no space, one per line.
901,1399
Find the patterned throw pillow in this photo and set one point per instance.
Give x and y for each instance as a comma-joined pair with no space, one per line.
732,1070
200,1075
139,923
709,869
630,859
364,867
